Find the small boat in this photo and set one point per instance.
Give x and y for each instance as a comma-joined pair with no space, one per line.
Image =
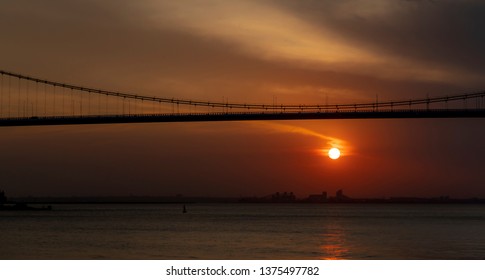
5,205
23,207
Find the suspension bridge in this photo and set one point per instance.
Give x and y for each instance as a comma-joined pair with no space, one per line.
28,101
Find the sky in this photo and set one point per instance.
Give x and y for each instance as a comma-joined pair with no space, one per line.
297,52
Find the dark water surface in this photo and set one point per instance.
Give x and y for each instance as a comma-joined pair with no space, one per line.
245,231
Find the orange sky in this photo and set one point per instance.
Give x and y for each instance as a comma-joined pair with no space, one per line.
249,51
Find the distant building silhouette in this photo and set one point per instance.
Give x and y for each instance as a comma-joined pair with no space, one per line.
316,198
339,196
283,197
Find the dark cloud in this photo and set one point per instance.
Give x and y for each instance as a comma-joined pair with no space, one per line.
448,34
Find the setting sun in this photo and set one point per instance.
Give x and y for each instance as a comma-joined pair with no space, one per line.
334,153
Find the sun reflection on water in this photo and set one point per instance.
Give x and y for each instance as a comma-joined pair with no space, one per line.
334,247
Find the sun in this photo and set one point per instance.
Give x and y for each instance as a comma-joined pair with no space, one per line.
334,153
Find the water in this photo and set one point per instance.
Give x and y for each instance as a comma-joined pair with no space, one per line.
245,231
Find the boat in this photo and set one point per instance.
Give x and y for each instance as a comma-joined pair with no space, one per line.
6,206
23,207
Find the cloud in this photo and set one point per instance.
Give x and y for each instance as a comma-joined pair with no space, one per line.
330,142
257,28
441,39
250,51
331,41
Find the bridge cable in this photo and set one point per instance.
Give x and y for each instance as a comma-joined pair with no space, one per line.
1,96
226,105
18,100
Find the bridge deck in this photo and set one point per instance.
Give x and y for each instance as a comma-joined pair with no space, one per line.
403,114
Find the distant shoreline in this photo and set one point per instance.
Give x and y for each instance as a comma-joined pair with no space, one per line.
246,200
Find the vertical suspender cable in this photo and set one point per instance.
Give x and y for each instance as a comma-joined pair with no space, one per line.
9,88
63,99
1,96
45,100
54,101
72,103
36,98
27,104
89,102
18,101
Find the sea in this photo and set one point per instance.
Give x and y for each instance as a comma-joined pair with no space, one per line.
245,231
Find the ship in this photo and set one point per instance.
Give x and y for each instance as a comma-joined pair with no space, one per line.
6,206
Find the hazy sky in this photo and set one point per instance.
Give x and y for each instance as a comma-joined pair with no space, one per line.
249,51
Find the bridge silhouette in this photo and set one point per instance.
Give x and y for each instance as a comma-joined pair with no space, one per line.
27,101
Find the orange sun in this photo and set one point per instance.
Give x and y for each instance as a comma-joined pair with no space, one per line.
334,153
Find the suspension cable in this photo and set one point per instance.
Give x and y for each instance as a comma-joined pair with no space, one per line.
254,106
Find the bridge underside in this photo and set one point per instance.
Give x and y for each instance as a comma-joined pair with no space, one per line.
37,121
